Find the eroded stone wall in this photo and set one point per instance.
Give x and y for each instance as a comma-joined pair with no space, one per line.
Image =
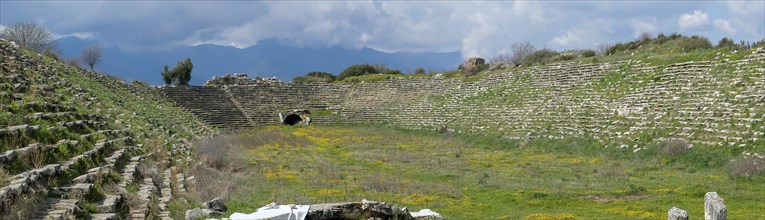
718,102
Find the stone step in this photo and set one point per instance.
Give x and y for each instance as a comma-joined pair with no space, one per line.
73,191
110,203
104,216
53,208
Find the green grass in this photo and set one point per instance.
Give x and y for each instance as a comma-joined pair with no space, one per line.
479,176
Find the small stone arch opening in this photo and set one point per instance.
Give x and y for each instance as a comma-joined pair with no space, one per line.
292,119
297,117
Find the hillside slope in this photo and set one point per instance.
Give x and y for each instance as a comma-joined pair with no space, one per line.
78,144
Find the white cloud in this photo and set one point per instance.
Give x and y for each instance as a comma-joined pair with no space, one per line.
2,27
80,35
747,19
639,27
695,20
475,28
531,9
724,25
585,36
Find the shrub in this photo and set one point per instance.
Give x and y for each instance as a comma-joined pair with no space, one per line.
321,74
746,167
661,38
673,147
357,70
695,43
566,57
314,77
4,177
419,70
392,72
73,62
212,153
645,37
588,53
540,56
635,189
726,43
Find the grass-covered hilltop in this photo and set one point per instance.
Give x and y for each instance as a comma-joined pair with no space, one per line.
626,132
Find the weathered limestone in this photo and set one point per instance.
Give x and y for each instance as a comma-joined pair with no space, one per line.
56,209
110,203
677,214
357,210
714,207
216,205
42,103
557,100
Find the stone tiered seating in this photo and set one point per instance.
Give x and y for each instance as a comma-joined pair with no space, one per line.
211,104
700,101
58,139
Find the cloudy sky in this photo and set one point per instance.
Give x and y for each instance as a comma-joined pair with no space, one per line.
473,28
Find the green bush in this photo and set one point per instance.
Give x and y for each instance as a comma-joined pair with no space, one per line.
419,70
539,57
392,72
314,77
357,70
727,43
311,79
695,43
588,53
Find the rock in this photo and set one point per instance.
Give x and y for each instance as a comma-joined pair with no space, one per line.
357,210
427,214
473,65
198,213
216,205
714,207
195,213
677,214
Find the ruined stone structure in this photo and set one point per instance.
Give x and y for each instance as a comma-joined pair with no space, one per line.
720,102
65,144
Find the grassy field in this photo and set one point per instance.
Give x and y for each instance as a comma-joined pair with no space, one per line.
466,176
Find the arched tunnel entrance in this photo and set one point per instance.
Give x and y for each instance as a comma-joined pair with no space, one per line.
292,119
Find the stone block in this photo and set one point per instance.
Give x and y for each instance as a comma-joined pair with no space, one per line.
714,207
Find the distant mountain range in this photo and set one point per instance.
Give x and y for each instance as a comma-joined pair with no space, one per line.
268,58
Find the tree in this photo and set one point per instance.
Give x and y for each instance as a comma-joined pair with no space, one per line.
91,56
184,72
167,76
180,74
31,36
521,51
501,59
727,43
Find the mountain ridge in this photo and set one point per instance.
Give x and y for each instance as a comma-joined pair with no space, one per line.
268,58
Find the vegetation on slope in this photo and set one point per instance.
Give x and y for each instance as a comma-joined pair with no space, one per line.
466,176
118,110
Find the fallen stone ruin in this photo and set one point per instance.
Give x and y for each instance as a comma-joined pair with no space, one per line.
714,209
327,211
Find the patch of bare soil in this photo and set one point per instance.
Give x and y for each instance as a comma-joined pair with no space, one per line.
604,199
